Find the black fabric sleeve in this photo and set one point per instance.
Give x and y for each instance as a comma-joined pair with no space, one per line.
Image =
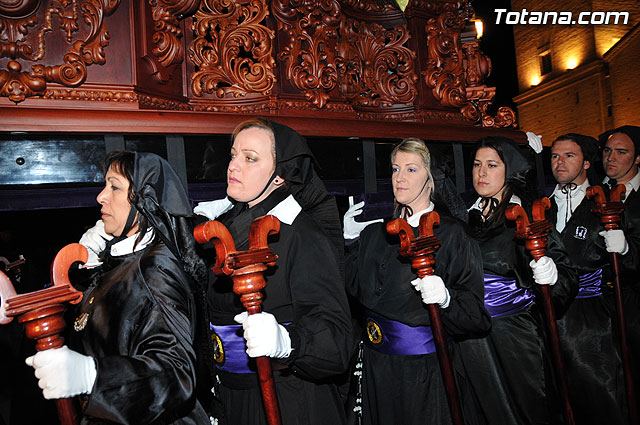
156,379
459,263
321,333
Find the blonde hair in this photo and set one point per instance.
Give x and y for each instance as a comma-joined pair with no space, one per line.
257,123
418,147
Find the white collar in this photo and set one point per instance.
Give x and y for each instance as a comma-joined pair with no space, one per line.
635,182
414,220
125,246
476,206
287,210
557,192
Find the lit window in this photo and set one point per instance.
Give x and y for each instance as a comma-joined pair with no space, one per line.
545,63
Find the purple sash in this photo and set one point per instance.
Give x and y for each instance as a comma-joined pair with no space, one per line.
503,297
229,349
390,337
590,285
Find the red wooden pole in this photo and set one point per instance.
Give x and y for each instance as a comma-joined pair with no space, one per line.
422,252
609,213
41,313
535,236
246,269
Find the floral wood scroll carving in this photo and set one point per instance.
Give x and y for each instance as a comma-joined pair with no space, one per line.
16,43
371,5
445,66
232,49
505,117
168,50
312,28
377,68
438,6
456,71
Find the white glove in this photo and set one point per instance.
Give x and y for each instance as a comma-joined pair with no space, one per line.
63,373
615,241
213,209
264,335
545,271
535,141
95,239
352,228
432,290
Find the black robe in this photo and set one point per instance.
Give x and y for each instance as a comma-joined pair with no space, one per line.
140,330
509,368
408,389
306,292
591,352
630,280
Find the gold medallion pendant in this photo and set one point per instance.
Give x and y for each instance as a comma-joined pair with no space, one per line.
81,322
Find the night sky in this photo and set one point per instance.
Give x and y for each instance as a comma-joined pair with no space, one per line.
497,43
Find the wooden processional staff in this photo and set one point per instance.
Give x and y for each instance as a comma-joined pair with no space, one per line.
246,268
41,312
610,213
535,237
422,251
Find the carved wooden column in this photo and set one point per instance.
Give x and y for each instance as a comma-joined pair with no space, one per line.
160,45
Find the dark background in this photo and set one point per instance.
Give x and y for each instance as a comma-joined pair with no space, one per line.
497,44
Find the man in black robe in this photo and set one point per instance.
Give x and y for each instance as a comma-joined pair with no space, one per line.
620,158
592,360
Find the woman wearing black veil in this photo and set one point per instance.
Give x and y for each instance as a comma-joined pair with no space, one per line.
508,368
130,356
305,325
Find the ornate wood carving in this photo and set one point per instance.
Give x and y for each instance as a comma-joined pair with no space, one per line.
456,71
377,68
18,8
445,66
310,55
85,50
167,36
371,5
505,117
232,49
438,6
338,59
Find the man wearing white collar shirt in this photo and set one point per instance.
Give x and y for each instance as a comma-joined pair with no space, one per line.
592,361
620,158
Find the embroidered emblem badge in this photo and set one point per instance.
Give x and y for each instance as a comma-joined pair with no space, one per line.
374,332
581,233
81,322
218,349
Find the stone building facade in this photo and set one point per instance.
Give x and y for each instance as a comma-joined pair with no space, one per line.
577,77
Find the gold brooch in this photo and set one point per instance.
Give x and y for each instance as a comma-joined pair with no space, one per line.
374,332
81,322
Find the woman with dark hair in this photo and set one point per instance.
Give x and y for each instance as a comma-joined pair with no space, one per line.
509,367
402,382
305,325
130,356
